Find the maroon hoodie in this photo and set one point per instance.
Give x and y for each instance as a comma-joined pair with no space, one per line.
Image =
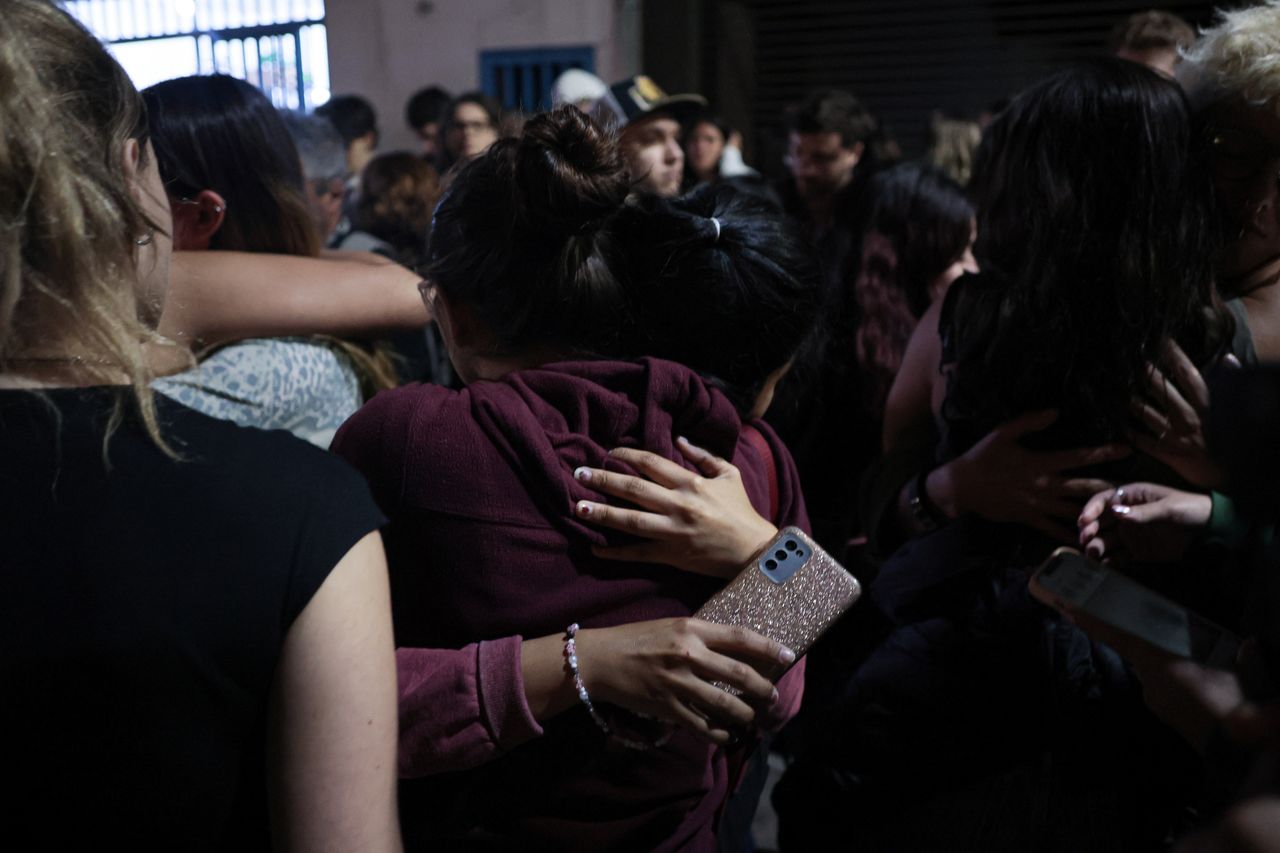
483,544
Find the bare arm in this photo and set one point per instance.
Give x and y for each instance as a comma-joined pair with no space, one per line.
332,729
916,394
215,297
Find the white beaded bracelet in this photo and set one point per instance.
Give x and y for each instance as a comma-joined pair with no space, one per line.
571,662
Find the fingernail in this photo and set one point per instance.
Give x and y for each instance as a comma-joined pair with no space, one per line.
773,697
1119,496
584,508
582,475
680,439
1120,509
786,655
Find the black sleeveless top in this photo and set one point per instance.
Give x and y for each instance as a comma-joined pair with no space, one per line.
143,604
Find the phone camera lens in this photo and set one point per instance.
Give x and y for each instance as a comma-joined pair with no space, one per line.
790,544
770,564
781,555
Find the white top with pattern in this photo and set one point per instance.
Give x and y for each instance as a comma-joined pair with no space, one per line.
295,384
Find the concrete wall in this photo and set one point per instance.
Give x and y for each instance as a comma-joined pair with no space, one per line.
387,49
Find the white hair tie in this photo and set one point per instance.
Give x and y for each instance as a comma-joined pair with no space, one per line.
716,223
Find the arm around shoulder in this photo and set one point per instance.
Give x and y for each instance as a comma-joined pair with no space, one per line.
216,296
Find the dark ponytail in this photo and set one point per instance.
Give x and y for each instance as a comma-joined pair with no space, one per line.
523,237
720,281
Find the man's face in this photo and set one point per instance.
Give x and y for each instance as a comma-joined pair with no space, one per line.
704,147
325,199
651,147
471,132
820,163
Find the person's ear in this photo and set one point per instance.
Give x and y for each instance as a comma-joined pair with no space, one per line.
856,151
464,338
456,320
197,219
368,142
130,157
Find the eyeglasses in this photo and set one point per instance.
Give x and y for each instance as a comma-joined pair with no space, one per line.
473,126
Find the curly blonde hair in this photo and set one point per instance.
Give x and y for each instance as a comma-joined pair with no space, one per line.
1238,58
68,221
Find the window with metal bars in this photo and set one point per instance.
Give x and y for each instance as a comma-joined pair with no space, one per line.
277,45
521,79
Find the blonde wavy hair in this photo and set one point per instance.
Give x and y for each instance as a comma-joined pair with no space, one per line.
68,222
1238,58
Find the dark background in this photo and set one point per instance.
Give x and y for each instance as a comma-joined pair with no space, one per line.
903,58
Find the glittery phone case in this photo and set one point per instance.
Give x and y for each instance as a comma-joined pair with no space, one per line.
795,612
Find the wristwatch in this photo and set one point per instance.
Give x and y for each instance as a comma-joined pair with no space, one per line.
923,510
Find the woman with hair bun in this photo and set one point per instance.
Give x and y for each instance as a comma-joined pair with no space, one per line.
489,491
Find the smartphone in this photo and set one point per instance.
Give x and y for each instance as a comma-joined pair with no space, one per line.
793,592
1068,581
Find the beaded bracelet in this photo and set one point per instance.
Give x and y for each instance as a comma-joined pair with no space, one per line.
571,663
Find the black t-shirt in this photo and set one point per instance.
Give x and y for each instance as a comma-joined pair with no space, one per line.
143,604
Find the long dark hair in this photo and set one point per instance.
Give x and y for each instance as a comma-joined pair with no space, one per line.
921,223
220,133
1096,246
721,281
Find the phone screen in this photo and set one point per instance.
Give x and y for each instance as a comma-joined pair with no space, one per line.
1126,605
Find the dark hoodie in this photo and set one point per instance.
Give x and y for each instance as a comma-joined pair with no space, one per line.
483,544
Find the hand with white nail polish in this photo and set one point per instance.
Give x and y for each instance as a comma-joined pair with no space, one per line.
702,524
1142,522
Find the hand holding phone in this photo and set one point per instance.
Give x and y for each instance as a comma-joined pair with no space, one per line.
1137,622
793,592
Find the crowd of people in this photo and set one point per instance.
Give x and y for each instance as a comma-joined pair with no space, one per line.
361,500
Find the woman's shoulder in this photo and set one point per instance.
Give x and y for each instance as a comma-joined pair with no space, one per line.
207,465
268,382
265,460
1242,345
398,411
401,428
